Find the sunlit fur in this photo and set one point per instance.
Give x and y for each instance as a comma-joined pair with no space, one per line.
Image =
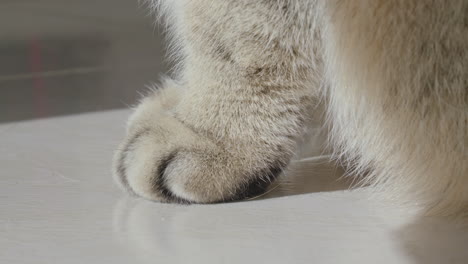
393,75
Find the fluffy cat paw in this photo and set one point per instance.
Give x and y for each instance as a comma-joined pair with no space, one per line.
165,160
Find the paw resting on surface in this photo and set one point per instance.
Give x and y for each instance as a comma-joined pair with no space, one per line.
165,160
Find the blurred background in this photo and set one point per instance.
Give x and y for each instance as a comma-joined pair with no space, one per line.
66,57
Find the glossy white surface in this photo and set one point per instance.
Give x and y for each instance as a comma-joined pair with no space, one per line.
58,205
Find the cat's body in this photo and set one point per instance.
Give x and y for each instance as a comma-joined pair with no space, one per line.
392,74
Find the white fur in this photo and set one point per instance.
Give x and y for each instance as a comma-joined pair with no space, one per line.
393,76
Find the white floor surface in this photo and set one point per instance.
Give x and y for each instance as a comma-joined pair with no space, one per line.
58,204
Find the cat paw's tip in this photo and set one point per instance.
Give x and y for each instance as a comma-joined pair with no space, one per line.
186,177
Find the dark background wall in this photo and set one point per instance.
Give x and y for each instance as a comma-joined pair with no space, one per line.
61,57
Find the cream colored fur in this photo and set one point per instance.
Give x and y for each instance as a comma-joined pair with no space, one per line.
393,75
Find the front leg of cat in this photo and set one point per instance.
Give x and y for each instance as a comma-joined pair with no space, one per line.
228,126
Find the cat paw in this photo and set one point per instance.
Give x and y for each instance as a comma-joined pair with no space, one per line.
164,160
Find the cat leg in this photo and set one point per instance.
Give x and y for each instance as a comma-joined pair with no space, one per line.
398,73
227,127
